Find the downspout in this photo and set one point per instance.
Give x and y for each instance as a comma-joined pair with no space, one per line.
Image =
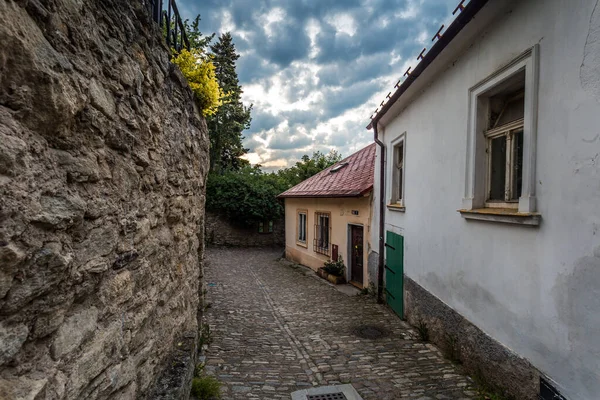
380,263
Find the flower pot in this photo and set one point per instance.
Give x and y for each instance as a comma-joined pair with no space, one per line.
336,280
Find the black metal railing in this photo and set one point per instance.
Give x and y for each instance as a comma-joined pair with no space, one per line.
170,22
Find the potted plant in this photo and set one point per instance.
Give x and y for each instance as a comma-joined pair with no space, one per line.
333,271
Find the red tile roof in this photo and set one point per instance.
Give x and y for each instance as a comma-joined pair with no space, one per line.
354,179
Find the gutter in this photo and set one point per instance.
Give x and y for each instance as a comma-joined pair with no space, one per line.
466,15
380,260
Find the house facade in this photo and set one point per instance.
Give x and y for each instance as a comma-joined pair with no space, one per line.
491,206
328,216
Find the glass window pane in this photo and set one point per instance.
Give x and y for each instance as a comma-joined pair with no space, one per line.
498,164
517,166
400,170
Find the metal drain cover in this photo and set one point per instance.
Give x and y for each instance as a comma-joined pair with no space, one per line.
328,396
332,392
370,332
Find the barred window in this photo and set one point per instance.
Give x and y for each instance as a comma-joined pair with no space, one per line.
322,233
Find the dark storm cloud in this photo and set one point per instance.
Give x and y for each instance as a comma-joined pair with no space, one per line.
297,141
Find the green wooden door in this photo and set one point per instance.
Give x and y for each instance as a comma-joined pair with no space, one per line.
394,272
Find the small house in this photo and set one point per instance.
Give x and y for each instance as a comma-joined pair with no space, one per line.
328,216
490,214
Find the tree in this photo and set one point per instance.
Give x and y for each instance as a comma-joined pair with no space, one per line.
308,166
246,196
197,40
225,127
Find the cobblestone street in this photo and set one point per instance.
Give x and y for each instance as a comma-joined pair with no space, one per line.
277,328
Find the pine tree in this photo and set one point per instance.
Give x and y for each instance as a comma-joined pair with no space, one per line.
227,124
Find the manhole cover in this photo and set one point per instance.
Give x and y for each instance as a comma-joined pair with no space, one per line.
370,332
328,396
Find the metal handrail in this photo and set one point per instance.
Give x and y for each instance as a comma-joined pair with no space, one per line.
170,22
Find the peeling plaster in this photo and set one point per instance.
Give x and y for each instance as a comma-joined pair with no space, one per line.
589,73
577,300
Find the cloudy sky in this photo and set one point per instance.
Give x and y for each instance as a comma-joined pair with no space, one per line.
315,70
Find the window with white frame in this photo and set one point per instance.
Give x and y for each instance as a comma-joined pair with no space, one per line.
502,136
398,165
504,145
301,238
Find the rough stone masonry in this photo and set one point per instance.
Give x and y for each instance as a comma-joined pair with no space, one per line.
103,158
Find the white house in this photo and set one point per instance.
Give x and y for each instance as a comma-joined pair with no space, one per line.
491,194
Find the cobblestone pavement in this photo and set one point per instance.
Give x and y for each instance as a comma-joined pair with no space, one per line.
277,328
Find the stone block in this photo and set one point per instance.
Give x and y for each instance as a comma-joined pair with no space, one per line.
60,211
75,329
12,337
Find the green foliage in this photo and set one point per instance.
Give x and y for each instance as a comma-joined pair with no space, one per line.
370,290
423,331
200,74
308,166
206,388
336,268
205,336
197,40
225,127
246,197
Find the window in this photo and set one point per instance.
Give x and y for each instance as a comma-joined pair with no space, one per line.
398,171
501,143
504,150
265,226
322,233
301,232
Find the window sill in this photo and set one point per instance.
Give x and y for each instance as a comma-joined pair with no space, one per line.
396,207
503,215
305,245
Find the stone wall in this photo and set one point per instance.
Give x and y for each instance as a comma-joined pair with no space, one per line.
220,232
103,158
491,363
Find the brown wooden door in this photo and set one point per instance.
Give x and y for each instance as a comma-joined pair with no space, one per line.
356,251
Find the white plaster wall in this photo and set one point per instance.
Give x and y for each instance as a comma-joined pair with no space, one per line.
535,290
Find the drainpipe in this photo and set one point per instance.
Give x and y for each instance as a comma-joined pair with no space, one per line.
381,214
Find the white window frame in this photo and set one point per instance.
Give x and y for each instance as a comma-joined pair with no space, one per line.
300,242
507,131
395,198
475,194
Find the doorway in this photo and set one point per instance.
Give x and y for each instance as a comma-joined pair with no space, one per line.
394,272
356,251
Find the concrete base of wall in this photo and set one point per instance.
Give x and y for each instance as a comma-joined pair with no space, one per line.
372,265
483,357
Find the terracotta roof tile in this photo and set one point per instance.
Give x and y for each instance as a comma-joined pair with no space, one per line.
353,179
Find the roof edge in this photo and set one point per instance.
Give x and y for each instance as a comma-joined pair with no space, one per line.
315,196
453,30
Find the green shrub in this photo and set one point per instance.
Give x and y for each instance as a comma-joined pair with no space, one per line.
206,388
336,268
245,197
423,331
